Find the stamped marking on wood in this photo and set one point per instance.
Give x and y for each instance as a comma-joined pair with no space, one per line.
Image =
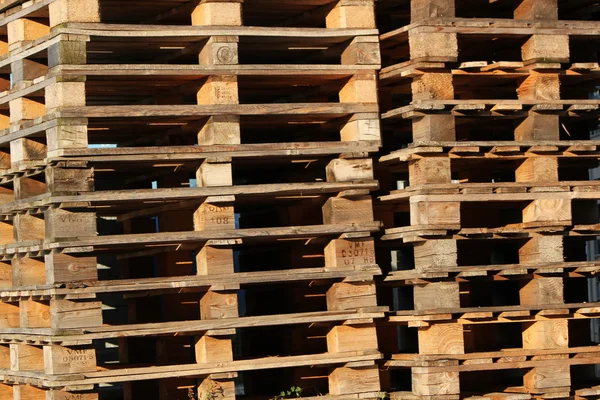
356,253
225,54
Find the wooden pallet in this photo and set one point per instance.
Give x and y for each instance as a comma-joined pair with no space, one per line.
240,139
485,121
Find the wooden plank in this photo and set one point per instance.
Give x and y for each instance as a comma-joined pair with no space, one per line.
181,282
128,30
209,110
245,234
194,327
156,372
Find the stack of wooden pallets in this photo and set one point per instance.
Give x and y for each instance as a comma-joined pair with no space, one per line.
193,193
488,205
186,207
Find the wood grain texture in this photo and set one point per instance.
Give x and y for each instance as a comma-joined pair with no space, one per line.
441,339
546,335
537,9
344,381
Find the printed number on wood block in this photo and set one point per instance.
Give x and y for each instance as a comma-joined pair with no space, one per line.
342,253
214,217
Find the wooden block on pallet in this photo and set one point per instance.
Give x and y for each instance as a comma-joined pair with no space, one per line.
214,174
360,88
69,180
226,13
6,392
220,50
75,314
65,94
548,210
361,127
62,11
537,9
4,121
558,375
539,86
222,129
60,314
60,360
429,170
26,70
224,387
67,52
64,268
435,254
350,253
5,355
433,86
542,290
212,260
9,315
435,213
67,134
352,14
347,170
214,216
4,50
23,108
351,338
538,127
338,210
61,223
435,383
222,89
437,295
553,334
25,30
26,150
4,157
6,275
5,85
442,338
351,296
343,381
210,349
28,227
27,187
362,50
425,9
217,305
436,46
7,235
542,249
27,392
28,272
26,358
434,127
537,169
546,48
